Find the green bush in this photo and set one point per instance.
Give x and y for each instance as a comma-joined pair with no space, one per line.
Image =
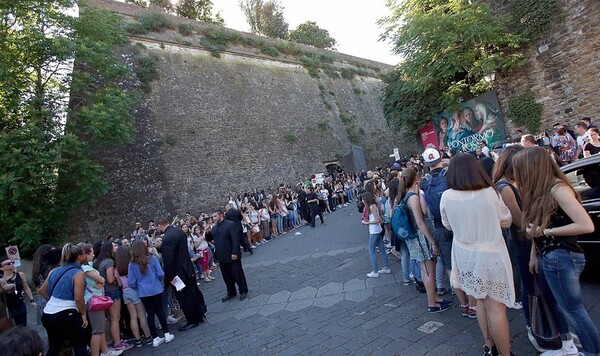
185,29
347,73
147,70
155,22
525,111
290,137
135,28
269,51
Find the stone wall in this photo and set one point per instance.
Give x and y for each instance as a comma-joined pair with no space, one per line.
563,68
213,127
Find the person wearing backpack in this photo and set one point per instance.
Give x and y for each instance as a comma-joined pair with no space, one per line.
421,244
432,186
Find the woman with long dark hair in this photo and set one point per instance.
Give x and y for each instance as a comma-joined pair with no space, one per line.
423,247
475,212
375,237
105,265
554,217
145,276
45,258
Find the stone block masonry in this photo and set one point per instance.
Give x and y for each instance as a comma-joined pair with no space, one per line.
214,127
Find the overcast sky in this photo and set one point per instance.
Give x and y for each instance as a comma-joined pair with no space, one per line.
351,22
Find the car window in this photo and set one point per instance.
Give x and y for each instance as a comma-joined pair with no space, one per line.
586,181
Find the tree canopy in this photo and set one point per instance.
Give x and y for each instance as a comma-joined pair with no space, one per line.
198,10
449,47
45,144
311,34
265,18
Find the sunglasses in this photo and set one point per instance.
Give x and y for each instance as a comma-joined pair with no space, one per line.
8,263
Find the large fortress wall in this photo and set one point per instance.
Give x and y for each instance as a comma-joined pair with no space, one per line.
212,127
563,68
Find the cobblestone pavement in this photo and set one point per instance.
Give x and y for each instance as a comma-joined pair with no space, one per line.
309,295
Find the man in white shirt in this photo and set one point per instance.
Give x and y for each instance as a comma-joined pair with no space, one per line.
582,138
484,148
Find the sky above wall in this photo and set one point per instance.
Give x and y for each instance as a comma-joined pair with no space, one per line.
353,23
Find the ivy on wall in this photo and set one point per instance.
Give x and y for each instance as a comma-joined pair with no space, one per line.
525,111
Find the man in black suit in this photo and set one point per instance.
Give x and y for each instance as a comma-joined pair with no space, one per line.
177,262
227,246
235,216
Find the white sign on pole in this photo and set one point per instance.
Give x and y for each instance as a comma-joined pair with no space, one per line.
13,253
396,154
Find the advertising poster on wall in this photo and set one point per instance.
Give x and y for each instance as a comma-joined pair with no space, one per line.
479,119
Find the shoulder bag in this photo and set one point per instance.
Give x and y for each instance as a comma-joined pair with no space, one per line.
98,303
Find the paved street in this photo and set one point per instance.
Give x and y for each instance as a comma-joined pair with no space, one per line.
309,295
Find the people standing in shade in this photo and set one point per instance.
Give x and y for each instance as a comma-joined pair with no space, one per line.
227,247
65,314
312,200
105,264
481,266
145,276
375,236
14,286
554,217
178,264
135,307
94,285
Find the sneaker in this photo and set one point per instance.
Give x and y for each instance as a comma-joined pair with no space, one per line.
443,307
472,312
568,349
518,305
169,337
122,346
576,340
441,291
139,342
420,287
385,270
148,340
252,246
111,353
373,275
157,341
409,282
464,310
172,320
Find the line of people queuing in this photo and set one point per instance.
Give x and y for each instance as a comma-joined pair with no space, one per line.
475,226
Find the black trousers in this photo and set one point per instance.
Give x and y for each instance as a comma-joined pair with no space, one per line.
65,325
233,274
191,301
244,242
314,211
155,305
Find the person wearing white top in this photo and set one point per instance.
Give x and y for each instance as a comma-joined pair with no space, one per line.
481,266
375,236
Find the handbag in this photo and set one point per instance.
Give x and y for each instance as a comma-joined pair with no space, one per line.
98,303
543,325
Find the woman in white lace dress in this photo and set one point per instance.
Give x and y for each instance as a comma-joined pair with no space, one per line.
481,266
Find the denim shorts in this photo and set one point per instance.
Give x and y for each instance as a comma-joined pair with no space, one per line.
131,296
114,295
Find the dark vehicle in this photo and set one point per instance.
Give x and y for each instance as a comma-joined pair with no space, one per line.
584,176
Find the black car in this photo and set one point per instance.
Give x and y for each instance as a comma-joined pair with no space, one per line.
584,176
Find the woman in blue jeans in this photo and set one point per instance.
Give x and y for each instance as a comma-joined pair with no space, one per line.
375,236
554,221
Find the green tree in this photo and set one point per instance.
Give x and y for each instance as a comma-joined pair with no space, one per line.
198,10
265,18
311,34
165,5
141,3
449,47
46,164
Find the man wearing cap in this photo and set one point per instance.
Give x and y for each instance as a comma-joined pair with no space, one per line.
437,178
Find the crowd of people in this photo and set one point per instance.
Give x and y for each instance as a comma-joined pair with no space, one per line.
474,218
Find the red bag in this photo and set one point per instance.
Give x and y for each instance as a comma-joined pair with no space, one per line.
98,303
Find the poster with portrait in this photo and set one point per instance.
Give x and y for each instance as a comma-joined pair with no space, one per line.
479,119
